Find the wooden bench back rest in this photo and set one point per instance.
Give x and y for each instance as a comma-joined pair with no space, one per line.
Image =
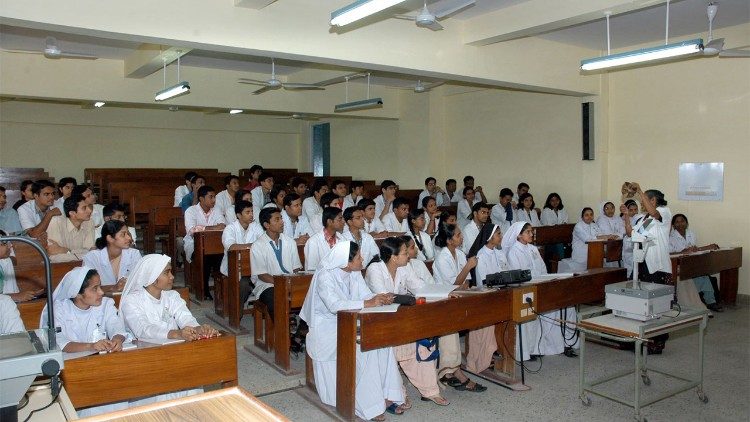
158,223
11,177
208,242
143,204
550,235
176,229
33,275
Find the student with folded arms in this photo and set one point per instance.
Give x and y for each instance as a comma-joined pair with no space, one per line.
36,215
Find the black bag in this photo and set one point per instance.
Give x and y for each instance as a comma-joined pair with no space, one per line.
407,300
507,277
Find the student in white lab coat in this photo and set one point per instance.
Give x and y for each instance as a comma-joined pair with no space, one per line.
356,189
192,197
114,257
478,192
311,205
388,274
296,225
278,193
355,225
262,192
397,221
199,217
432,189
384,201
554,212
480,213
10,318
321,243
338,187
463,211
431,215
450,191
114,211
225,198
585,230
184,188
502,214
338,285
446,217
608,222
239,235
526,212
452,267
416,267
373,225
8,285
422,240
544,336
522,188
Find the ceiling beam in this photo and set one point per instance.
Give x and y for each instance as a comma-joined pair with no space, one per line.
535,17
253,4
149,58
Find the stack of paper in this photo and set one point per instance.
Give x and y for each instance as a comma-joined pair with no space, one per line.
433,292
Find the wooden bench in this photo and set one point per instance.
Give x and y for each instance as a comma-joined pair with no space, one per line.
601,251
289,293
551,235
238,262
32,276
725,262
158,225
206,243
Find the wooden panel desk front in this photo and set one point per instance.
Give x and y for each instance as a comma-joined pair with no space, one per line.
601,250
725,262
551,235
206,243
289,293
151,370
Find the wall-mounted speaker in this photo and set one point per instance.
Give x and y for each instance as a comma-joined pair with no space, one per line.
587,119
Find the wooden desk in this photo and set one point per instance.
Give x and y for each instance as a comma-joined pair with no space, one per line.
289,293
238,263
228,404
551,235
33,275
206,243
725,262
158,223
151,370
176,229
600,250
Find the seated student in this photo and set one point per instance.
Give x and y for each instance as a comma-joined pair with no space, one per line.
299,186
388,274
630,215
585,230
114,257
553,212
198,218
480,213
502,213
545,337
431,215
479,194
416,267
526,211
35,215
355,224
296,225
431,189
338,285
241,195
26,194
114,212
97,210
239,235
73,233
225,198
397,221
452,267
422,240
608,222
10,318
490,260
682,240
184,188
321,243
450,191
9,221
273,253
254,180
446,217
277,195
262,192
8,285
311,205
191,198
522,188
64,190
356,189
373,225
463,211
384,201
339,188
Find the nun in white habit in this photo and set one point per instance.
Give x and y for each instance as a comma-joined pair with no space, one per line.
609,222
338,285
543,336
87,321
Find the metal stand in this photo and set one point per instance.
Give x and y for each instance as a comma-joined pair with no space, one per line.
520,346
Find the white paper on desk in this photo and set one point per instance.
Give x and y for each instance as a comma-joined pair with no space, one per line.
76,355
161,341
435,291
125,347
547,277
393,307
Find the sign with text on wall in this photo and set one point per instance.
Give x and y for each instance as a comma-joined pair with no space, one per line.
701,182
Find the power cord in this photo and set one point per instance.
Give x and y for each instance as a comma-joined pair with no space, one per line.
54,399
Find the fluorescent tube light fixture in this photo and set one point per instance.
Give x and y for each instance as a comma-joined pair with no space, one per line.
662,52
360,9
181,88
235,111
99,104
359,105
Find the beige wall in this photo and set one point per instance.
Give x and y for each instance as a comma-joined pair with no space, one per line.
364,149
64,139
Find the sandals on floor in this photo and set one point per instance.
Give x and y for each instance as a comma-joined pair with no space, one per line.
450,381
435,399
395,409
477,388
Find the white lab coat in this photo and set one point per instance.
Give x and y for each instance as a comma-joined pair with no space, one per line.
374,226
379,279
497,216
657,255
424,194
197,220
490,261
10,318
427,253
87,325
678,243
552,218
259,200
263,260
445,269
463,213
28,216
295,230
611,225
150,318
10,286
349,202
234,234
583,233
312,210
225,206
99,260
180,193
470,232
316,248
131,230
367,246
529,217
380,205
392,225
418,269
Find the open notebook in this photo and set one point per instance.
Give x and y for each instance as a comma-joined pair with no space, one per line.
432,292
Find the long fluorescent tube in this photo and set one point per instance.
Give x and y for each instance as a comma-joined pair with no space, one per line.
359,105
181,88
661,52
99,104
360,9
235,111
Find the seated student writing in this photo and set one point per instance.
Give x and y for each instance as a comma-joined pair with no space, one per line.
490,260
384,201
397,221
114,257
277,195
73,233
8,285
26,194
431,189
321,243
683,240
338,285
9,221
225,198
262,192
36,215
526,211
311,205
191,198
451,267
356,189
547,339
115,212
373,225
296,225
87,322
184,188
608,222
239,235
422,240
64,190
354,232
388,274
480,214
502,213
431,215
463,211
338,187
198,218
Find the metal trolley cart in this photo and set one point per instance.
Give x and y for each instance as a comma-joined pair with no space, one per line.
629,330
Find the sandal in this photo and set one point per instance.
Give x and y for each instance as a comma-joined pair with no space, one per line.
476,388
450,381
438,400
406,405
394,409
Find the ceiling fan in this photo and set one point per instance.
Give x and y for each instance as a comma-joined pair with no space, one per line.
52,51
274,83
427,19
716,46
420,87
299,116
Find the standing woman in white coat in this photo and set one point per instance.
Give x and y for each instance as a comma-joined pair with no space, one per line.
526,211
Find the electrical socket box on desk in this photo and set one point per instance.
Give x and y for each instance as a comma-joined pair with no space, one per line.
521,310
527,296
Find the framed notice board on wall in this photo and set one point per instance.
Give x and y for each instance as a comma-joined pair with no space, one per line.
701,182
